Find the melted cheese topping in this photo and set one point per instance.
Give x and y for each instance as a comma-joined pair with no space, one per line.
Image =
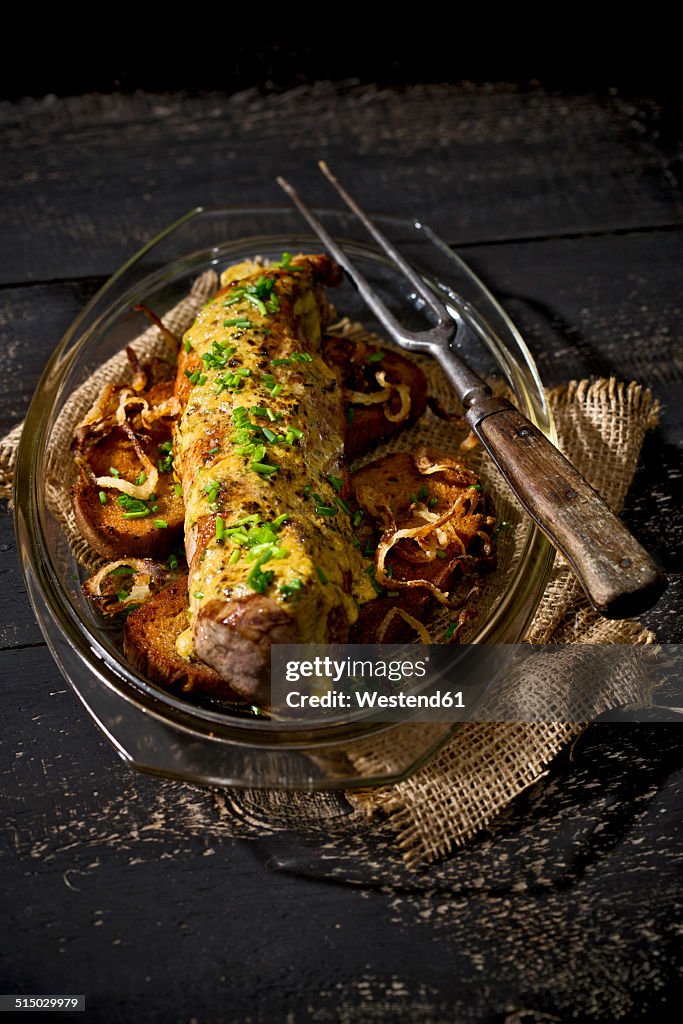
232,355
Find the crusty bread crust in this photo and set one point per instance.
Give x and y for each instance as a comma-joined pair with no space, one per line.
149,643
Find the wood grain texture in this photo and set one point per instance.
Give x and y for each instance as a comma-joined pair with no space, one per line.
94,177
619,577
142,892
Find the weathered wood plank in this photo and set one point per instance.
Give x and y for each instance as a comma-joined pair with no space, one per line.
136,891
94,177
32,322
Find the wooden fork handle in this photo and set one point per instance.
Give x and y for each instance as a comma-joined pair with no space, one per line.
617,574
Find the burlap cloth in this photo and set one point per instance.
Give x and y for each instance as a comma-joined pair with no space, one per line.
600,427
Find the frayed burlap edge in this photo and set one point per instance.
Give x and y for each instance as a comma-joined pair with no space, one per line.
9,445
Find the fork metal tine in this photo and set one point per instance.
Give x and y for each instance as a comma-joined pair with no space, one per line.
391,251
362,284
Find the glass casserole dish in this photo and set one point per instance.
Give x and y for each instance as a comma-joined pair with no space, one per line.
151,728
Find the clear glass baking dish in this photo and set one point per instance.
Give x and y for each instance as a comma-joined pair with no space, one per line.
150,728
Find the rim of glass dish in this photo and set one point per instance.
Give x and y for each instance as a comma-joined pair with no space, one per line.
526,587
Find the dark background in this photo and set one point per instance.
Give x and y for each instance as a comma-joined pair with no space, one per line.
558,49
162,901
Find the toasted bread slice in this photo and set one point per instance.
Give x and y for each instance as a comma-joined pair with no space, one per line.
358,365
107,450
101,520
407,491
149,643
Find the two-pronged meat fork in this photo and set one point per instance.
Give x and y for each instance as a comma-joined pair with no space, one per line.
617,574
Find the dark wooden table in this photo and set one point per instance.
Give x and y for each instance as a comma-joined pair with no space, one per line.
162,902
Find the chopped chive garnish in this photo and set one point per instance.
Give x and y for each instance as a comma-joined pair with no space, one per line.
211,490
187,345
502,525
370,571
336,482
441,554
141,479
103,497
255,301
259,580
136,515
263,468
423,493
280,362
475,487
302,357
343,506
234,557
178,488
357,516
122,595
220,528
375,357
114,472
307,490
214,451
198,594
450,631
160,524
241,321
325,510
321,574
173,561
432,502
287,589
269,434
272,416
277,390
